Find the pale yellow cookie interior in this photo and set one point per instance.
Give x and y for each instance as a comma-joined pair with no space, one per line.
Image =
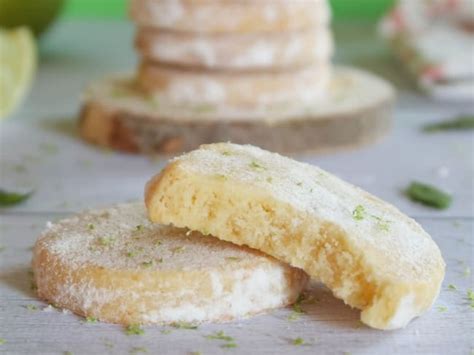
366,251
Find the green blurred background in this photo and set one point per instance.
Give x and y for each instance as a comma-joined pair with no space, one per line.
343,9
38,14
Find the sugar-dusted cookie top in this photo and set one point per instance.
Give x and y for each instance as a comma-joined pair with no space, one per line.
369,253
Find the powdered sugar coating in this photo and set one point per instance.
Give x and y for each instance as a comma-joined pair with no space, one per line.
382,231
236,51
114,265
245,16
301,86
122,238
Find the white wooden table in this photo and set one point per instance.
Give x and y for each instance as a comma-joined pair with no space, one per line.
39,150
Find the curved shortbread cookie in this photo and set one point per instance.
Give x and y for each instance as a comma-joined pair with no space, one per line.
366,251
114,265
247,89
243,16
236,51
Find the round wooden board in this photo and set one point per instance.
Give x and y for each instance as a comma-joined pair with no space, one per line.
357,111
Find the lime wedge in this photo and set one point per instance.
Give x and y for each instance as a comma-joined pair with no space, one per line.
18,59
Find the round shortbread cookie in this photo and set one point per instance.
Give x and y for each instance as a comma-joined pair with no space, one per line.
356,111
114,265
243,16
236,51
234,89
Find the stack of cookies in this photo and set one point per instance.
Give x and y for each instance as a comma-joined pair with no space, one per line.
241,55
245,71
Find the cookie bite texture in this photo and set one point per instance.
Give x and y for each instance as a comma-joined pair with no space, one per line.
367,252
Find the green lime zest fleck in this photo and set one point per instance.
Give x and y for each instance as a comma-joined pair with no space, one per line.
178,249
233,258
256,166
467,271
134,329
137,350
269,179
359,213
2,341
8,198
428,195
106,241
294,316
382,224
470,295
297,308
184,325
31,307
442,309
220,335
195,353
139,227
458,123
131,254
298,341
90,319
229,345
90,226
297,305
147,263
68,353
226,153
299,184
452,287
